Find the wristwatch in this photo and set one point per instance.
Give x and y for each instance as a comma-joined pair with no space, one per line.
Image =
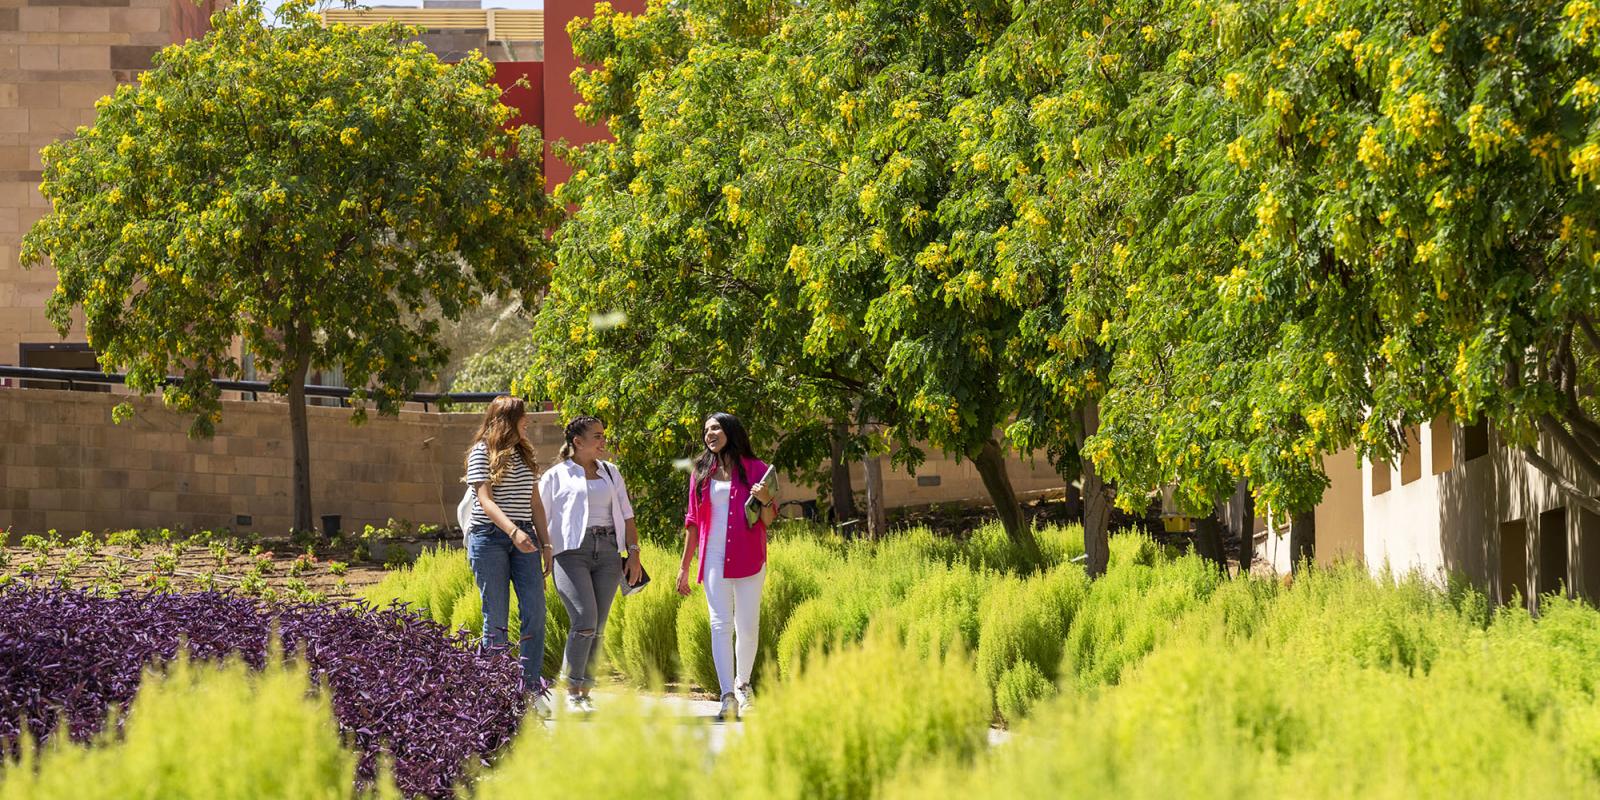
633,548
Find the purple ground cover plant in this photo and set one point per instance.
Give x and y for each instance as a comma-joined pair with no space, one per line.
401,685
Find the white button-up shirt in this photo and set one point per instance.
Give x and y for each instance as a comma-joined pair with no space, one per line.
564,491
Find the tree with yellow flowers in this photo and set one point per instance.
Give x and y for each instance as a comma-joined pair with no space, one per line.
322,196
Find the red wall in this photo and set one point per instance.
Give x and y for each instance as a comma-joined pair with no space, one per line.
191,20
528,100
559,96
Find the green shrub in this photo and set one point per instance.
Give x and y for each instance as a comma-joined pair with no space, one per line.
794,575
205,732
841,728
1020,688
695,664
1133,607
641,637
1025,621
819,625
626,751
941,612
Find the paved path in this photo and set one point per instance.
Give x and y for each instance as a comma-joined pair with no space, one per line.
718,734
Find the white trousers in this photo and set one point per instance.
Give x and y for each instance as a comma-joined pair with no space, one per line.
735,610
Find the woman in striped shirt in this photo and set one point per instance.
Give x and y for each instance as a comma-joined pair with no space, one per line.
507,541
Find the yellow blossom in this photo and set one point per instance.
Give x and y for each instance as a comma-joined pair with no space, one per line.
1370,150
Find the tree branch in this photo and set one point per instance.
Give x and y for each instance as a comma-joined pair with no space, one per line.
1589,332
1585,459
1566,486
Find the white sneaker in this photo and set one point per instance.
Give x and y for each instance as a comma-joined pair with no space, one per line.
575,704
747,698
541,700
730,709
588,703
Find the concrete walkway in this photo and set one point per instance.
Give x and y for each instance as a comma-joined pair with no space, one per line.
691,710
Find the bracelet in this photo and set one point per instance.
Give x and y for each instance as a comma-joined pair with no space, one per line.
633,548
547,547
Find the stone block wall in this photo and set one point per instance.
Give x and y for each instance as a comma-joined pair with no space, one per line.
65,465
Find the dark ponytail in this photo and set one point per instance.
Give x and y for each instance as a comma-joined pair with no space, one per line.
575,428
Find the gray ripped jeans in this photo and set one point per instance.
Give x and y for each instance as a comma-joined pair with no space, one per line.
586,580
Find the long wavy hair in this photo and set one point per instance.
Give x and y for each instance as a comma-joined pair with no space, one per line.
736,451
503,438
576,428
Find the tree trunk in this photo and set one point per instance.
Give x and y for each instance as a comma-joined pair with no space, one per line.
298,430
1208,541
991,464
877,518
1096,502
1303,539
844,495
1242,521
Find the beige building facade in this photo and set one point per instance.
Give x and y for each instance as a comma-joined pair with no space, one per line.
57,57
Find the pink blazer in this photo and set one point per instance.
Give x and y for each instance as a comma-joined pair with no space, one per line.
747,544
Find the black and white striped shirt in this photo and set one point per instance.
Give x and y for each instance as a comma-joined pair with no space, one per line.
513,494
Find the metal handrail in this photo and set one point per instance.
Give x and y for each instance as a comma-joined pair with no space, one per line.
342,393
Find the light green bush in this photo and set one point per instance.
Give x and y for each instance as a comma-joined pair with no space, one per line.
1020,689
695,665
1026,621
641,638
626,751
1133,607
841,728
205,732
941,612
1341,686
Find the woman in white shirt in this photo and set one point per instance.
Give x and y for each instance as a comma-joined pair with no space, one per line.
587,504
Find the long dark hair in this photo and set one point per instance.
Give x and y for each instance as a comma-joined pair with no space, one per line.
737,448
576,428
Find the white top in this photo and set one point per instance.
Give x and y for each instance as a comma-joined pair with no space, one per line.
599,503
717,541
564,490
513,494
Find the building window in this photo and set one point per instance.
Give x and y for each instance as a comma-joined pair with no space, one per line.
1587,555
60,355
1513,560
1380,477
1475,440
1441,435
1552,576
1411,459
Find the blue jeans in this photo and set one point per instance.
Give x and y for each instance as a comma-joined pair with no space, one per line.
496,565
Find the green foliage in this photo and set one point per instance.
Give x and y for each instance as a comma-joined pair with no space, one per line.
202,731
641,635
843,726
500,369
1129,610
1026,621
695,664
1020,688
245,178
940,613
659,757
1299,707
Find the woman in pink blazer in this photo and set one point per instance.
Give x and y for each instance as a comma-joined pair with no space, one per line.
733,562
